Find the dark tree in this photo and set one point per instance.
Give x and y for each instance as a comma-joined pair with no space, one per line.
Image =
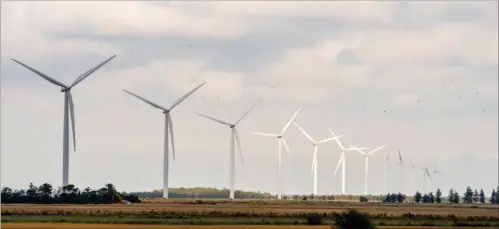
475,196
431,198
417,197
450,197
426,198
456,198
468,196
400,197
493,199
481,196
438,197
352,219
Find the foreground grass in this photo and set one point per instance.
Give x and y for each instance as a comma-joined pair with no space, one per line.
128,226
228,221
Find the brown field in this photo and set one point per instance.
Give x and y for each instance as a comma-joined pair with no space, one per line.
277,207
129,226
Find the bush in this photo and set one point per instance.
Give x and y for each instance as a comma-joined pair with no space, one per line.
314,219
352,219
363,199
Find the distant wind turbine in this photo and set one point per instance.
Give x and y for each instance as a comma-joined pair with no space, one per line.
168,127
366,164
68,102
234,136
385,171
314,160
280,141
425,174
341,161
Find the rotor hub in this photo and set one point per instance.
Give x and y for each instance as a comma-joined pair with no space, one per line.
232,126
279,136
64,89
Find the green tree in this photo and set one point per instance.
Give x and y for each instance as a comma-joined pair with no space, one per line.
32,192
353,219
400,197
417,197
438,196
493,199
481,196
426,198
450,196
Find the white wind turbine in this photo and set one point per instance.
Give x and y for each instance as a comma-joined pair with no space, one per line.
385,172
168,127
366,163
341,161
233,136
280,142
314,160
412,171
68,103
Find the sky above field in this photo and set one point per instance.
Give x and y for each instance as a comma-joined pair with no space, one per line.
419,76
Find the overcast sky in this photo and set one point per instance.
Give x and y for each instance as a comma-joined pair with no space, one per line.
419,76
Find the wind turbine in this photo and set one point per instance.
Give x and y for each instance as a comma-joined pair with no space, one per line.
68,103
425,174
314,160
233,136
341,161
412,169
435,171
280,142
366,164
168,127
385,164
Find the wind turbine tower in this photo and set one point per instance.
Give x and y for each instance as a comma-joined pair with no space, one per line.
168,128
68,103
234,136
280,142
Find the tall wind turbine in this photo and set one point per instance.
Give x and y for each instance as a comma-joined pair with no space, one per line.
280,142
412,171
68,103
385,171
314,160
168,127
233,136
341,161
366,163
425,174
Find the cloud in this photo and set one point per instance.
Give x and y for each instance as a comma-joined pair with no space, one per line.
345,64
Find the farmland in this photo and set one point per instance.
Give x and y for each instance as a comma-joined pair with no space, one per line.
247,212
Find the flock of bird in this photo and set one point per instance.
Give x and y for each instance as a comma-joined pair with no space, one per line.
169,135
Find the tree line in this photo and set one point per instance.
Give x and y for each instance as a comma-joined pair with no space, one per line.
46,194
469,196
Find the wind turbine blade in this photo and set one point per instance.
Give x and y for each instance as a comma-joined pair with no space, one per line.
360,150
41,74
179,100
145,100
264,134
304,133
338,165
214,119
337,141
400,158
238,142
387,157
329,139
90,71
289,122
247,112
428,173
287,147
170,127
374,150
72,112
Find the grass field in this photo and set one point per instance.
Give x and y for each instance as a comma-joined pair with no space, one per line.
128,226
242,214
